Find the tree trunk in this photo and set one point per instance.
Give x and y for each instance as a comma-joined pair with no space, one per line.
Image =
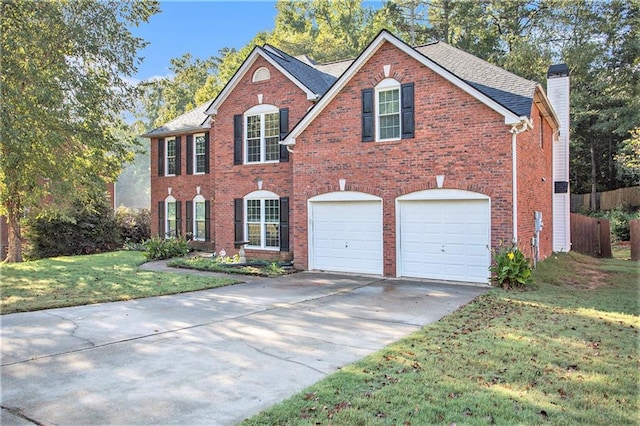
14,251
594,175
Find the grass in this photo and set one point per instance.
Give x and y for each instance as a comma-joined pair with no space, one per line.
562,352
80,280
208,264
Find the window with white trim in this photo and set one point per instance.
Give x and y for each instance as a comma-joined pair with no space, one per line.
263,222
171,217
262,134
199,230
199,154
170,157
388,120
261,74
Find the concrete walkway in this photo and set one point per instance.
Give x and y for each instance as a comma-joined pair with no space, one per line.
212,357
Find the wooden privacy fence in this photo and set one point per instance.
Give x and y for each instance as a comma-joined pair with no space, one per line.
590,235
634,230
608,200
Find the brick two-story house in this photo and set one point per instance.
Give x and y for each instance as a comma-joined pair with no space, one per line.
408,162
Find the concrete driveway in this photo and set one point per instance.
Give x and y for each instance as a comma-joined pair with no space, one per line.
211,357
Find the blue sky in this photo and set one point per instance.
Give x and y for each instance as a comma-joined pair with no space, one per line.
201,28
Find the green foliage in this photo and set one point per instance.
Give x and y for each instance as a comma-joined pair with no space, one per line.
160,248
63,88
134,225
510,268
86,226
628,158
229,265
619,220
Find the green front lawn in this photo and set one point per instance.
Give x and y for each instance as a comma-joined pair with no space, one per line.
565,352
81,280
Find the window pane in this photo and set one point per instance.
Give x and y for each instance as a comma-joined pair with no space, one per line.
253,230
272,235
389,102
390,127
272,211
200,154
253,127
253,150
272,125
273,149
171,210
253,211
171,157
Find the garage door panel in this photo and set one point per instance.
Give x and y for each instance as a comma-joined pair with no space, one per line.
456,244
346,236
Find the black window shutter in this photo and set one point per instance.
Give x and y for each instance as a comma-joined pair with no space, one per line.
367,116
284,224
408,119
161,157
238,219
207,219
188,210
178,218
161,230
189,154
237,139
206,152
178,155
284,130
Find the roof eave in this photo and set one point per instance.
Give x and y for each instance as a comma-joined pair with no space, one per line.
175,132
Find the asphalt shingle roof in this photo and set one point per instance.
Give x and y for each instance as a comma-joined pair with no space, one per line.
317,81
509,90
194,119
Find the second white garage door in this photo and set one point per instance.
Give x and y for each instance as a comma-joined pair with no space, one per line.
346,236
444,239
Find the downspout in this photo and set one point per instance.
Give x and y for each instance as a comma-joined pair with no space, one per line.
525,124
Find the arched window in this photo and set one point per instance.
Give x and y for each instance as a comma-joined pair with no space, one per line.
388,110
199,218
261,74
262,134
172,217
262,213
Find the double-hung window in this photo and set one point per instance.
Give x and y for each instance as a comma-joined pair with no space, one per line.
198,220
171,224
388,111
199,153
170,157
262,134
263,223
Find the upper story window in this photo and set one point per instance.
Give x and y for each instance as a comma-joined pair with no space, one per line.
388,111
261,74
170,157
262,134
199,153
257,134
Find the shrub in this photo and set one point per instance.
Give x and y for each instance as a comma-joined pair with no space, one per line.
134,225
619,219
159,248
86,226
510,268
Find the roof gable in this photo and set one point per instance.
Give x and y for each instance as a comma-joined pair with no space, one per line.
489,95
191,121
310,80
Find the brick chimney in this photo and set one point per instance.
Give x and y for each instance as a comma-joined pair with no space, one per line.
558,94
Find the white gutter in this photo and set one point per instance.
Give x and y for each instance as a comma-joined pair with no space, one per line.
525,124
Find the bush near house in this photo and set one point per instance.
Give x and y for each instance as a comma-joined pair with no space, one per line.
134,226
86,226
619,219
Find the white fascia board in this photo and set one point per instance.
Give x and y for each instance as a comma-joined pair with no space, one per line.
176,132
545,100
509,117
213,108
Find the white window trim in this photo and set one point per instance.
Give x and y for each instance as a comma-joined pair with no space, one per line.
170,199
197,199
195,155
260,110
166,156
260,196
261,74
386,85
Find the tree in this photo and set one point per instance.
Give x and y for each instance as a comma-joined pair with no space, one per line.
63,88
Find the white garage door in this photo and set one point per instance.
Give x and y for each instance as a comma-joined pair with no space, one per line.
445,239
346,236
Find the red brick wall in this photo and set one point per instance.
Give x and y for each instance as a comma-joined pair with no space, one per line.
455,135
183,187
535,185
